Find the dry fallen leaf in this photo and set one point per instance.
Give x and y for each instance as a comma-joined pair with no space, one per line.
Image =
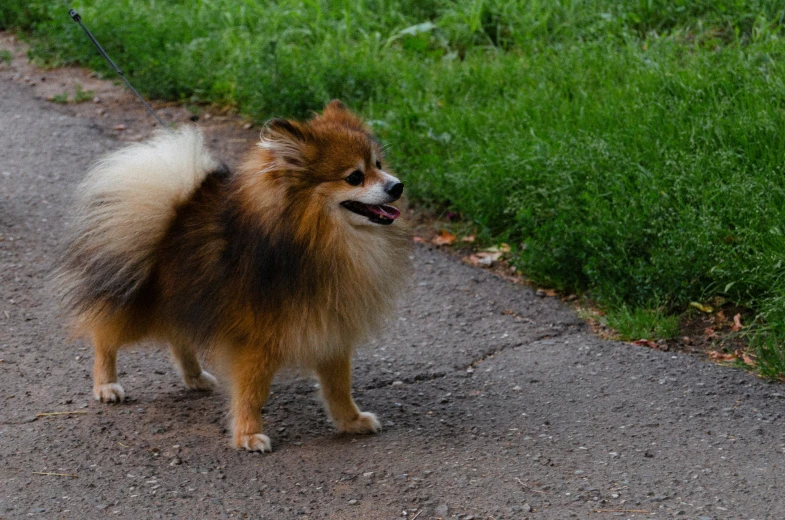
492,256
747,358
721,356
501,248
419,240
445,238
737,323
473,260
701,307
645,343
468,238
709,332
480,260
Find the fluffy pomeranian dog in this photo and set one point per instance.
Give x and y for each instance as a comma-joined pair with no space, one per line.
292,260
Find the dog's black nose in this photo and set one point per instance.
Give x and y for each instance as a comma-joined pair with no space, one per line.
395,190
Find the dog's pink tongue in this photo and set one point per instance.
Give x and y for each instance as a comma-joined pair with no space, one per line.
385,211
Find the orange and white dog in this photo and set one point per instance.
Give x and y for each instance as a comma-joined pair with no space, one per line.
292,260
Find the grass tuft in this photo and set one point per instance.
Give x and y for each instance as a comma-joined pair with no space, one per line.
637,323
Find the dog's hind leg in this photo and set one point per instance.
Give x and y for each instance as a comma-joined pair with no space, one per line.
105,386
188,364
335,377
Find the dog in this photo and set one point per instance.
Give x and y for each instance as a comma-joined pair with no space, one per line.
292,260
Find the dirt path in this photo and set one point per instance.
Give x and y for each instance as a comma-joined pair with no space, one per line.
496,403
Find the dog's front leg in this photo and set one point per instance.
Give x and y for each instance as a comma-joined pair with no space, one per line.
335,377
252,372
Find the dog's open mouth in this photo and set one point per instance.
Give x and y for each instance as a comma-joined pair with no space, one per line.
377,213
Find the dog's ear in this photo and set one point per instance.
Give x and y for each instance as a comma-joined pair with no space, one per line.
335,106
337,112
286,141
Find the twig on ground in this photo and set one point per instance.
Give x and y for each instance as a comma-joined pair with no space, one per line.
418,514
530,488
46,473
621,511
48,414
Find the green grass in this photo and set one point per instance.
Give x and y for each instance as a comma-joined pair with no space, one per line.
80,96
637,323
61,98
630,150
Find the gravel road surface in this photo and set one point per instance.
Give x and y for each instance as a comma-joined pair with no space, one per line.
496,403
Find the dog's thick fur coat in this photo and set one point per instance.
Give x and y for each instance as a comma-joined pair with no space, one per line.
261,268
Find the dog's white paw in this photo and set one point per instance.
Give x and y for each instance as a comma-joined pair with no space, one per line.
366,422
109,393
254,442
204,382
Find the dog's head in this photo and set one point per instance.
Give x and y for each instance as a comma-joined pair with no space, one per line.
331,163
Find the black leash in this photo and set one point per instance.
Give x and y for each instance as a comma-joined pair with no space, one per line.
78,19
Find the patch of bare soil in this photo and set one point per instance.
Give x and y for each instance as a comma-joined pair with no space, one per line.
116,111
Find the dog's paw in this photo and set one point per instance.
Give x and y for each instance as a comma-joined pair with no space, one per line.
204,382
109,393
253,442
366,422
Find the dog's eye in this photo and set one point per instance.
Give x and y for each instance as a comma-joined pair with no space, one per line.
378,165
355,178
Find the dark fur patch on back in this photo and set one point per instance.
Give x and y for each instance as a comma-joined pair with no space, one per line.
99,281
240,263
221,172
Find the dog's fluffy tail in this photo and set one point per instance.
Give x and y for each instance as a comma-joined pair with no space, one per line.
124,207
